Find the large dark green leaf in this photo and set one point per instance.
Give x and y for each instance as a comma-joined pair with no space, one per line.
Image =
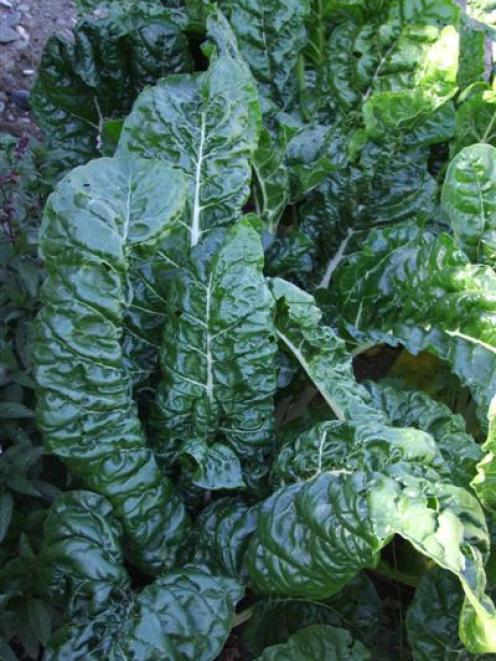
319,352
357,607
271,34
186,614
218,361
422,290
317,642
397,66
100,215
82,558
432,619
189,611
469,197
99,75
339,446
207,125
412,408
223,532
312,537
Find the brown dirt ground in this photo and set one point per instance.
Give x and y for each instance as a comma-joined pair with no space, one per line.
37,20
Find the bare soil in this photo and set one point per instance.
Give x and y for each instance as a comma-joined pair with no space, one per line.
31,22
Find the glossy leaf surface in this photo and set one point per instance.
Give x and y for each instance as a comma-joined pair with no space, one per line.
100,214
207,125
218,356
469,197
317,642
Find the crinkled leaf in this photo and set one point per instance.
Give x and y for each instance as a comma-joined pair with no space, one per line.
98,217
187,614
432,618
317,642
207,125
99,74
475,119
82,558
319,351
271,34
357,607
408,284
223,532
406,58
412,408
188,611
471,61
216,465
218,352
469,197
339,521
271,187
340,446
484,483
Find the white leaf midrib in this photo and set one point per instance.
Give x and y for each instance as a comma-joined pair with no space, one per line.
195,213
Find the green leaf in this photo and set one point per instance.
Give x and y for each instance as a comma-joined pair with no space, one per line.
357,607
6,509
271,35
97,76
337,446
39,620
98,218
207,125
223,532
320,353
192,611
82,559
216,465
218,353
469,197
317,642
14,410
432,618
475,118
339,521
406,55
485,480
187,614
412,408
471,64
271,190
421,289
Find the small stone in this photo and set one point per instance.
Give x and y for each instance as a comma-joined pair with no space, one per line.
2,106
6,3
21,99
27,72
24,8
12,19
7,35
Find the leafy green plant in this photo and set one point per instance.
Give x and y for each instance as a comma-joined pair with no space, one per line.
283,192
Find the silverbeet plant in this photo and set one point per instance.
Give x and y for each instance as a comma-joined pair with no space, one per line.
299,184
